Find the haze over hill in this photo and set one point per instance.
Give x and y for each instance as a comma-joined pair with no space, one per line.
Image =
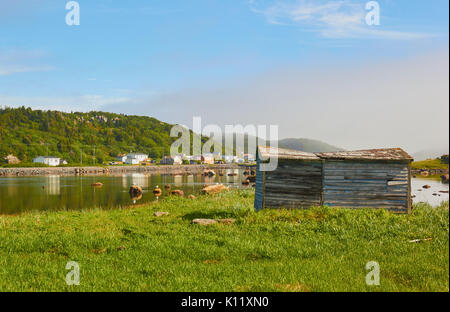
430,153
308,145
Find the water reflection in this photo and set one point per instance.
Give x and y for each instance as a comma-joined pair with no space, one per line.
19,194
77,192
53,186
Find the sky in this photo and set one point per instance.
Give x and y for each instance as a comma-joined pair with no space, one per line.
314,68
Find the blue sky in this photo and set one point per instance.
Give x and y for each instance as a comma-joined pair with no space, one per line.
160,58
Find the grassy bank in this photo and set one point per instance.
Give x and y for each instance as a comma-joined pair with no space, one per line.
429,164
321,249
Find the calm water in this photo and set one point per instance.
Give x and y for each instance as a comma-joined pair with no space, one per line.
432,195
47,193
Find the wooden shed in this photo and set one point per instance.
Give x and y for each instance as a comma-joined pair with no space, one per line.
379,178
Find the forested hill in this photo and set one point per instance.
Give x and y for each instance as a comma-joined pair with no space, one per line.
28,133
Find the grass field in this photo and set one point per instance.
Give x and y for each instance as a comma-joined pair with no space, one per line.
320,249
429,164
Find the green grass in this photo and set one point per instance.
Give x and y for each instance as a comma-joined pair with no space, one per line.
321,249
429,164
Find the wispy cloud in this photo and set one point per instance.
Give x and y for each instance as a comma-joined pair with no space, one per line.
20,61
332,19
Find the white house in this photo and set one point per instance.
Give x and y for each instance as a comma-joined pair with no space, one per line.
229,158
131,160
48,160
208,159
138,156
134,158
168,160
249,157
122,158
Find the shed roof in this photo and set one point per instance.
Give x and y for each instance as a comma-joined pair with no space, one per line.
371,154
394,154
281,153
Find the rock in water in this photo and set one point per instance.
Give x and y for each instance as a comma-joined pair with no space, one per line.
97,184
426,187
135,191
209,173
157,191
177,193
214,189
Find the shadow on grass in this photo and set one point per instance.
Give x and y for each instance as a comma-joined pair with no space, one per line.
218,214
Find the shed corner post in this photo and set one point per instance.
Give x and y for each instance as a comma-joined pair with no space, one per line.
409,188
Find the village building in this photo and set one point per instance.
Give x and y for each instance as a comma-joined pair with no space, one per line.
207,159
122,158
48,160
379,178
169,160
249,157
11,159
228,159
138,157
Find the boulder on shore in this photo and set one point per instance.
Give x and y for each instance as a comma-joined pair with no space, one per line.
214,189
204,221
177,193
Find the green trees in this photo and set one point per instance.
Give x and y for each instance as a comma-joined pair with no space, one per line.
93,137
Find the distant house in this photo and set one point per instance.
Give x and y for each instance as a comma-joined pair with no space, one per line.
48,160
208,159
249,157
11,159
134,158
131,160
229,159
122,158
169,160
138,156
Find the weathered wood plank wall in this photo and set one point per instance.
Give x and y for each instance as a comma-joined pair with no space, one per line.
259,188
295,183
367,184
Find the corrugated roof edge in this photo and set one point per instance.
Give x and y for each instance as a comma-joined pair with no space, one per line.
398,154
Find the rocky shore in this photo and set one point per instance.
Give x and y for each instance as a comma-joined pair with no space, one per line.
168,169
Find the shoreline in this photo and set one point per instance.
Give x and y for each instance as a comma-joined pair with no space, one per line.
164,169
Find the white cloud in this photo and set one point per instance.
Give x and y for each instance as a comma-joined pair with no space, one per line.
333,19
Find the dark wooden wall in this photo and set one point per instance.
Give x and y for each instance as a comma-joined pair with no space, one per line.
295,183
